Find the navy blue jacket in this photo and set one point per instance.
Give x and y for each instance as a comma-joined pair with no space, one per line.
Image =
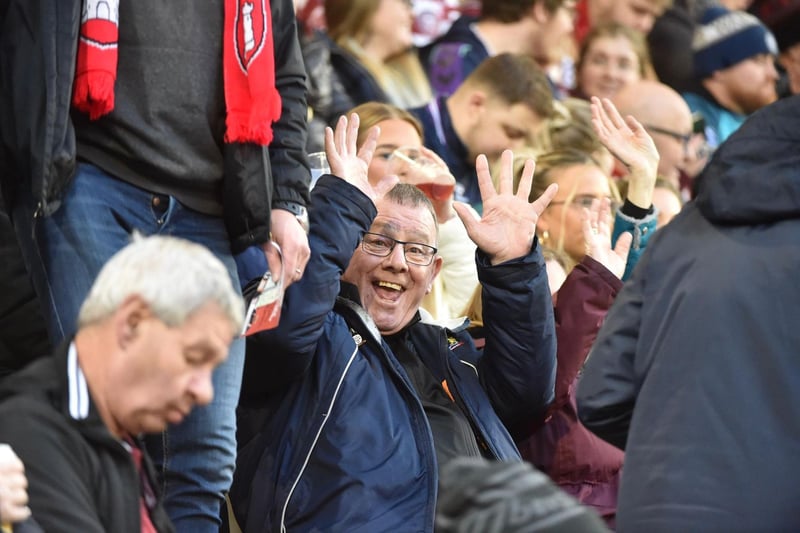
695,372
345,444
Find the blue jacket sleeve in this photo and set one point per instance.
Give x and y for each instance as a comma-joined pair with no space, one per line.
518,365
339,214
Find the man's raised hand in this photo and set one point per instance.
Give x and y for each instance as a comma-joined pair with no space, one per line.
508,225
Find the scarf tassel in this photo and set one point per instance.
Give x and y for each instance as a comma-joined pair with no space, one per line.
94,93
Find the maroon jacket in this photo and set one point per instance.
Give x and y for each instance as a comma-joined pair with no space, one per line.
583,465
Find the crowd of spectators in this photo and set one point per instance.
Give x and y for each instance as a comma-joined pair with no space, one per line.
544,283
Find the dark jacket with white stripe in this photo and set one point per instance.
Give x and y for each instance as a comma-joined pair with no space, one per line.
346,445
80,477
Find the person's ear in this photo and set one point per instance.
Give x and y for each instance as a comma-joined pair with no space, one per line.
128,318
477,103
543,223
437,267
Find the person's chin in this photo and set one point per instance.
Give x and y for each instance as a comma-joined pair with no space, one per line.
387,322
174,417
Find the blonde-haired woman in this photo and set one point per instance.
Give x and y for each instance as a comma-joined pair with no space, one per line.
582,180
372,52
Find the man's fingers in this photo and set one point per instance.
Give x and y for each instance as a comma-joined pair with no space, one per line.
466,216
505,183
526,181
274,261
544,200
339,135
484,178
385,185
352,134
370,143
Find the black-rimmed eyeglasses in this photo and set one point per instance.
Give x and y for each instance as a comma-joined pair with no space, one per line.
415,253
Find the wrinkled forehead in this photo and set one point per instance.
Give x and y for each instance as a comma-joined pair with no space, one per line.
405,222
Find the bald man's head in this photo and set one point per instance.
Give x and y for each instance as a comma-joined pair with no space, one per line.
666,117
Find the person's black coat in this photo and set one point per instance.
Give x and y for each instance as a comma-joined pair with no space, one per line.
695,372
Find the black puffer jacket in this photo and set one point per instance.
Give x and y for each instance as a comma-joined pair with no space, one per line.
695,371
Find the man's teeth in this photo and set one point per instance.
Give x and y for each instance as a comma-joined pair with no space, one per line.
393,286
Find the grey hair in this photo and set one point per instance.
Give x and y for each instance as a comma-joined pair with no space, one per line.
409,195
174,276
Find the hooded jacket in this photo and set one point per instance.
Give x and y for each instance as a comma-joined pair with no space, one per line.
695,371
345,444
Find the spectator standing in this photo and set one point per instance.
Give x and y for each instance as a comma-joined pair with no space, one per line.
23,335
175,144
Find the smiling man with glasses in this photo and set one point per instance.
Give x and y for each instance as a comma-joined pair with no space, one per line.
364,401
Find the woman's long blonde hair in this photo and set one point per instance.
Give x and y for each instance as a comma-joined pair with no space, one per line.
402,77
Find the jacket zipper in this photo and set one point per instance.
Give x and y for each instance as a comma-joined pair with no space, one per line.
479,437
326,417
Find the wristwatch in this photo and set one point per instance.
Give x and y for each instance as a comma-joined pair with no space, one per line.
299,212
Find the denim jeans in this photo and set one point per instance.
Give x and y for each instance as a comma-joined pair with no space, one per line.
97,215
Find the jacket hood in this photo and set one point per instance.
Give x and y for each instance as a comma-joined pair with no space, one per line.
754,176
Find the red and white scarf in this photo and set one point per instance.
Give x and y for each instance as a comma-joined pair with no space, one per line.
251,99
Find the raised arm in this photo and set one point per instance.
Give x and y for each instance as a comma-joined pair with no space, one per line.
342,208
632,145
517,368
